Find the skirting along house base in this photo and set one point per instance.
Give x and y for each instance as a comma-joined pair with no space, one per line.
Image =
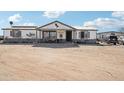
52,32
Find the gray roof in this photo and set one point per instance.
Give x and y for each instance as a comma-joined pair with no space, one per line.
24,26
21,28
36,27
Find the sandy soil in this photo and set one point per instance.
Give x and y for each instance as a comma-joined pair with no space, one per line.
24,62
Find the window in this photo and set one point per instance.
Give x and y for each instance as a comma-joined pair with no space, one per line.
46,34
102,36
82,34
87,34
15,33
49,34
12,33
52,35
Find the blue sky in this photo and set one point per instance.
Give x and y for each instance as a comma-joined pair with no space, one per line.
103,20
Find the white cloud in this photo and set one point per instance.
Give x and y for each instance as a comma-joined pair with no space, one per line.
89,23
15,18
118,14
53,14
106,23
115,22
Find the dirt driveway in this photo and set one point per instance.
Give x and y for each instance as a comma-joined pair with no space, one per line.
24,62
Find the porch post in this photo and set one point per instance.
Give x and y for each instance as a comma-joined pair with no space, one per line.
36,34
40,34
56,36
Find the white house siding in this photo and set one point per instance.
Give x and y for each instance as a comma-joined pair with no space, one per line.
103,36
7,34
63,32
92,34
25,32
39,35
74,35
53,26
78,35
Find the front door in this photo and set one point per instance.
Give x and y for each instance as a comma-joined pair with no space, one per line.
68,35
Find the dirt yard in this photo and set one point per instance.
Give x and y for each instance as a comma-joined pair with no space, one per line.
24,62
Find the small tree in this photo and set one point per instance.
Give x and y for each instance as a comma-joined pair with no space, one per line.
11,23
11,32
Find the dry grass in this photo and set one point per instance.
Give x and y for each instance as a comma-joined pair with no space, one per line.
24,62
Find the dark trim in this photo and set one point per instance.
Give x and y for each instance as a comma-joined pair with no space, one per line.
58,22
55,29
25,26
87,29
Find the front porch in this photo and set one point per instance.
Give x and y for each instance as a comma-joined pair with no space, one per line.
54,36
55,32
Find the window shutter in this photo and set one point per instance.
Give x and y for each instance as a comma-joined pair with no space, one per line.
18,33
79,34
88,35
12,33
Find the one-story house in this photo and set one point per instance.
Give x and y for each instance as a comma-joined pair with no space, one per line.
52,32
103,36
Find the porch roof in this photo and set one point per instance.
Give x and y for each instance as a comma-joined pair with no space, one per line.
55,29
56,24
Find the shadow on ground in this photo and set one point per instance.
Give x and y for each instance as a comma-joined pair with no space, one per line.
53,45
56,45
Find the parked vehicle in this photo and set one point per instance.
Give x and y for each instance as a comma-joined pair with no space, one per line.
113,40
